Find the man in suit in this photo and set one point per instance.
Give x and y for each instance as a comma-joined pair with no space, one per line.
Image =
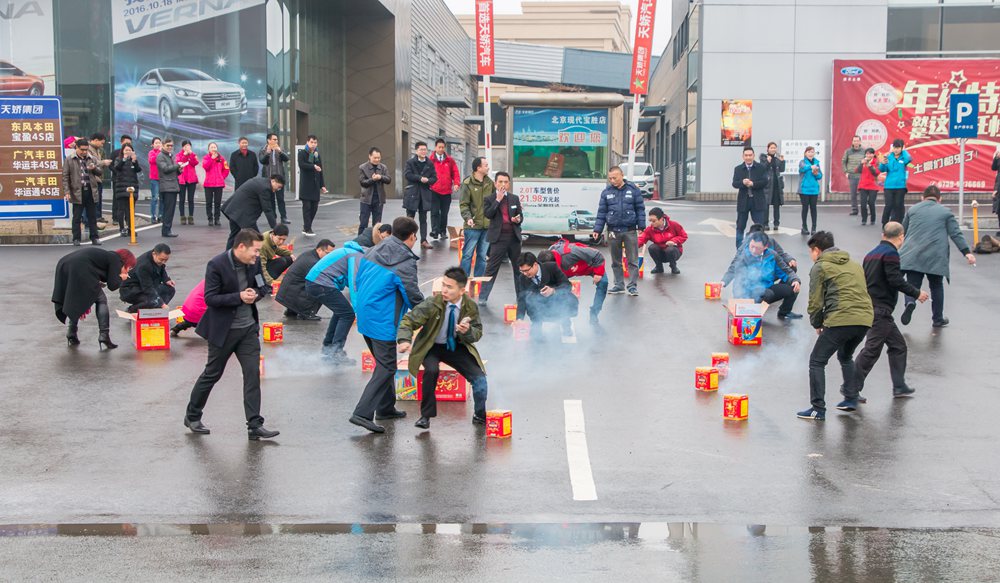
504,235
418,196
233,286
292,293
750,178
546,296
374,176
311,183
148,285
251,200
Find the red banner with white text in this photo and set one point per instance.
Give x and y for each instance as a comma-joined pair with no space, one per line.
642,47
484,37
908,98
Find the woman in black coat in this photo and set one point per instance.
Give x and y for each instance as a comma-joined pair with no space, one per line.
125,170
80,279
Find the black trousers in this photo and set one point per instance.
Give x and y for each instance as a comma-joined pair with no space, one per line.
278,204
759,218
776,209
440,205
116,204
808,209
379,395
309,209
423,223
213,202
839,340
783,292
659,255
868,198
242,342
883,332
145,301
895,205
371,212
936,283
168,201
122,214
277,266
187,194
90,206
507,246
465,364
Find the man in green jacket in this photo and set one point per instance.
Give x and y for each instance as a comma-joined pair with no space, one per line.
840,310
475,189
449,327
275,257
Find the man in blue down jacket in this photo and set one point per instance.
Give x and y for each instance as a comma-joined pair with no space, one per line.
621,209
754,272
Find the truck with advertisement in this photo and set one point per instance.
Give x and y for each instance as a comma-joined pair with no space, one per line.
559,152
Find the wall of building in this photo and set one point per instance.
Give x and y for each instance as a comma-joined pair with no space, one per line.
603,26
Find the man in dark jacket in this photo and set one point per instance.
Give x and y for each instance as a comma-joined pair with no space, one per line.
148,285
311,183
81,178
373,235
750,178
373,176
233,286
292,293
885,281
272,161
243,164
250,201
775,164
759,273
169,185
505,214
622,210
417,196
545,296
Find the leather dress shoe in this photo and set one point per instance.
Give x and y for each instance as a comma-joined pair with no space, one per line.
478,420
423,423
367,424
171,235
255,433
394,414
310,317
197,427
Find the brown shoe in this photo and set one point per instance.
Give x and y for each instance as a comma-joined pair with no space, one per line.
426,245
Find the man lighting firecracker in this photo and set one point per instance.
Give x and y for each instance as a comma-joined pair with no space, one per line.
759,273
577,259
449,327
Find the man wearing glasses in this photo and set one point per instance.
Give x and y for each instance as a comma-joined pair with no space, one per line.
81,179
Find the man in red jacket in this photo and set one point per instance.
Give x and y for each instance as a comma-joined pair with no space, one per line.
577,259
666,240
448,181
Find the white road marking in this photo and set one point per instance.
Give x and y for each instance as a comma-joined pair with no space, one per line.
727,228
578,457
337,201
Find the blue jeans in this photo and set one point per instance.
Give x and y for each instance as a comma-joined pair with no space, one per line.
600,293
154,200
475,241
343,314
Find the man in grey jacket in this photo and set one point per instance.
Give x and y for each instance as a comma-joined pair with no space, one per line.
851,162
928,226
373,176
169,186
272,160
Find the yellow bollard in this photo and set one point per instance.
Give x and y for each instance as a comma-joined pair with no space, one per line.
131,215
975,222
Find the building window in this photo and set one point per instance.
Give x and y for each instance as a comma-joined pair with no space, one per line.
970,28
914,30
680,41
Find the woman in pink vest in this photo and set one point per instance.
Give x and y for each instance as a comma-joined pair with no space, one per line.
194,308
188,180
216,170
155,210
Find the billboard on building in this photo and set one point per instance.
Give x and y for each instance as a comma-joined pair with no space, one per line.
27,56
737,122
881,101
190,71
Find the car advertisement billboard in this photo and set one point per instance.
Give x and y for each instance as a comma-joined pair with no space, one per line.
190,71
560,164
881,101
27,56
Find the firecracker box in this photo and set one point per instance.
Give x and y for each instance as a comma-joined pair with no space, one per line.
407,386
713,290
706,378
455,238
498,424
744,322
151,328
451,386
274,332
509,313
522,330
735,407
275,286
576,287
625,266
720,360
367,361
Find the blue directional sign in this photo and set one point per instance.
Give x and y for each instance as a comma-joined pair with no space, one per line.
964,119
31,158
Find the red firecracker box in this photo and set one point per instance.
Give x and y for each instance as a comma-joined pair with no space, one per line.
735,407
498,424
274,332
625,266
720,360
576,287
713,290
275,286
451,386
151,328
744,322
522,330
706,378
509,313
367,361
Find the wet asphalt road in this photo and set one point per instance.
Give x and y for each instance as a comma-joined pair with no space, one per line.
94,437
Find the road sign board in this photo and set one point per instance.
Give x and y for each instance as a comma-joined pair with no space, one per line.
31,158
963,121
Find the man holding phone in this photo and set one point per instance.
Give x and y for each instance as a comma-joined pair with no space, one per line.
504,211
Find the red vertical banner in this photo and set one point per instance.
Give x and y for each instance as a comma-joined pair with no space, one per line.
484,37
642,48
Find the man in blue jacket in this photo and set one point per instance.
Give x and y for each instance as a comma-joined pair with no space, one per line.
326,282
385,288
621,209
760,274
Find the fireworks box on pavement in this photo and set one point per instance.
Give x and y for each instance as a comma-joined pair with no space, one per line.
744,322
150,328
451,386
498,424
407,387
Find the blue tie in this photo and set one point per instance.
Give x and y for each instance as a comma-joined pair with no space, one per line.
450,339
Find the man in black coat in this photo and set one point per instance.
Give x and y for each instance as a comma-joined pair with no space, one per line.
243,164
751,179
504,235
292,293
311,183
546,296
250,201
234,284
418,196
148,285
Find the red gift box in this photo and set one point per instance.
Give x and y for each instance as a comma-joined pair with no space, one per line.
451,386
735,407
274,332
498,424
367,361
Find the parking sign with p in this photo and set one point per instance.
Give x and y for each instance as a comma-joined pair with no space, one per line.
964,119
